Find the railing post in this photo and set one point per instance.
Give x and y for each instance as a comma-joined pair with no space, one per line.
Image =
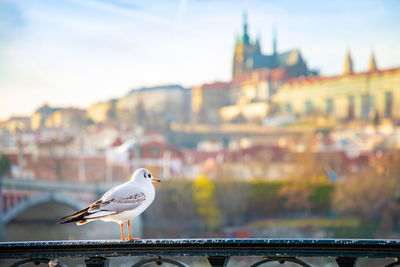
97,262
346,261
2,224
218,261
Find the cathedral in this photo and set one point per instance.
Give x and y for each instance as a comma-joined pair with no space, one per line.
256,77
249,57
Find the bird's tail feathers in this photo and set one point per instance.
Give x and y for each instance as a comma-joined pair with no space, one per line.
83,216
83,221
77,216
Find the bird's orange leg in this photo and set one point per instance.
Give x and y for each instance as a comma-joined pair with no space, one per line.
122,231
129,232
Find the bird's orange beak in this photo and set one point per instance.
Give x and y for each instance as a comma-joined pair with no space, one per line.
156,180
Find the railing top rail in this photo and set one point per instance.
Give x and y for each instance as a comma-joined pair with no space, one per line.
379,248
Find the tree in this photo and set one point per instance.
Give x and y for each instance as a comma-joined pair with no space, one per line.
321,197
203,195
264,199
304,192
365,194
174,203
5,165
232,197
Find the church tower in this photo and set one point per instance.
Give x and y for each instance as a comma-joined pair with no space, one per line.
246,38
274,43
372,63
348,64
245,49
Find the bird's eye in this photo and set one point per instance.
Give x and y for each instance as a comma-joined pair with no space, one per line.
149,175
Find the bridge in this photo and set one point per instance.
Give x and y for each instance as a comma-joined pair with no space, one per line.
18,195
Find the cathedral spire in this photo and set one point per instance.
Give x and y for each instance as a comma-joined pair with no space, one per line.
372,63
246,38
348,64
274,42
258,39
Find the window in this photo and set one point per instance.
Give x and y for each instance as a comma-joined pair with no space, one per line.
289,108
365,106
329,105
309,106
388,104
351,107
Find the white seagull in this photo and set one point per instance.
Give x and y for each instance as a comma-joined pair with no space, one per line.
120,204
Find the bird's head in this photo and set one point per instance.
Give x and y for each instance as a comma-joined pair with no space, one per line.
143,174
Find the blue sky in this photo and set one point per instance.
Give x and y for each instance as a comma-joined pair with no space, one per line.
77,52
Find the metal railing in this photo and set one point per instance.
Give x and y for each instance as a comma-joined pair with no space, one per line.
218,251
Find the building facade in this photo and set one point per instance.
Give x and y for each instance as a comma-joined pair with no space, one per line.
155,105
58,118
67,118
18,123
251,94
208,99
102,112
366,95
39,117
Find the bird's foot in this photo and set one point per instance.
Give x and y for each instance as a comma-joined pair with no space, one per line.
133,238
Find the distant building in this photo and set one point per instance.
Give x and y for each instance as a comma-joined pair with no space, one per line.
67,118
267,162
208,99
102,112
18,123
96,139
348,96
248,56
58,118
251,94
150,151
155,106
39,117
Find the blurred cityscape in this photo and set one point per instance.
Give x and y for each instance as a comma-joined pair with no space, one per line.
278,151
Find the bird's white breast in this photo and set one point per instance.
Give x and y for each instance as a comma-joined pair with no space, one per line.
149,192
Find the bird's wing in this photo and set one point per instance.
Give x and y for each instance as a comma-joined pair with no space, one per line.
118,199
112,190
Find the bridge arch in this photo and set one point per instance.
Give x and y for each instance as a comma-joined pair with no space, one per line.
39,199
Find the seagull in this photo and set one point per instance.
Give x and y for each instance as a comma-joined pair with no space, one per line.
119,204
